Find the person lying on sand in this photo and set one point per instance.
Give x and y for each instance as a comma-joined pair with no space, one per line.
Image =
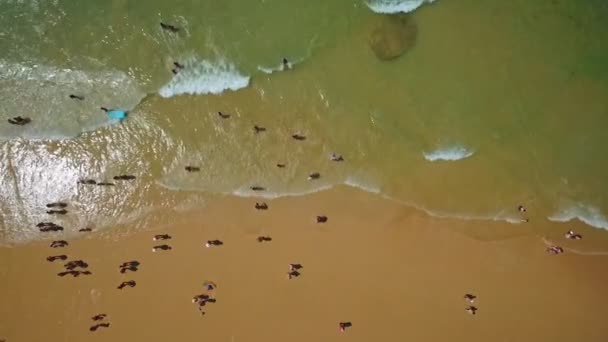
75,264
261,206
293,274
57,257
264,239
470,298
199,298
100,325
19,121
161,247
573,235
58,244
321,219
344,325
130,283
130,263
471,310
159,237
209,285
295,267
99,317
74,273
213,243
77,97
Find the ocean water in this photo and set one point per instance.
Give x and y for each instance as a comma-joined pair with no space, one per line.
495,104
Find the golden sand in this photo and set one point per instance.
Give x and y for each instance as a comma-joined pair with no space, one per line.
395,273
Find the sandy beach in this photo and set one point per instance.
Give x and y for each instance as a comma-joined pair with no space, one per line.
392,271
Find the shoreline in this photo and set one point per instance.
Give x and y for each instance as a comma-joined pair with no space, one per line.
388,269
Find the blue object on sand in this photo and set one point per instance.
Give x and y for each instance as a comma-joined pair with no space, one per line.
117,114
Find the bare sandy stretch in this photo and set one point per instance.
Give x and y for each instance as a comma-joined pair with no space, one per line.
393,272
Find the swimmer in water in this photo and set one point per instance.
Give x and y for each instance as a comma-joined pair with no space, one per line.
77,97
19,121
286,65
257,188
314,175
223,115
169,27
57,205
280,166
336,158
192,168
259,129
298,137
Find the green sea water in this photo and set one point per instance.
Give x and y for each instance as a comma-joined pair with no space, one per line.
498,103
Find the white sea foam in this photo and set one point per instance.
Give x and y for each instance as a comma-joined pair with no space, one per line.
280,66
41,93
586,213
205,77
395,6
448,154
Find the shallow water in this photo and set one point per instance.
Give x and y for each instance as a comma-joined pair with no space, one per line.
469,123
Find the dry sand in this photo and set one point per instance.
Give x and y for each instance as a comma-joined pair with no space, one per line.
395,273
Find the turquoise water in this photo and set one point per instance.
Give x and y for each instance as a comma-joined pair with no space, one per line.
496,104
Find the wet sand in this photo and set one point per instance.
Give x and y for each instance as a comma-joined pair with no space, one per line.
392,271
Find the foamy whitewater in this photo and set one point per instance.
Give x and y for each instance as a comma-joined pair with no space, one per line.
586,213
41,92
448,154
205,77
395,6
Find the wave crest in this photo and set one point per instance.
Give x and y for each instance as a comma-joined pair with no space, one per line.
588,214
205,77
448,154
395,6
